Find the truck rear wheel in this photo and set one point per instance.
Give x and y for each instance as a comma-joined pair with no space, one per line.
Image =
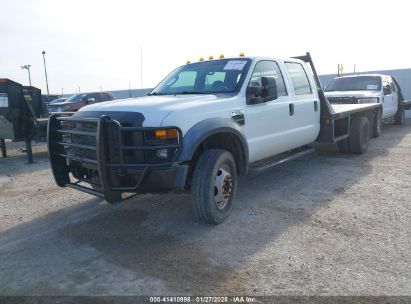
377,128
359,135
344,146
400,117
214,186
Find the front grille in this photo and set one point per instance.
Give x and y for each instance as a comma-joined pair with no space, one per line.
84,135
103,152
343,100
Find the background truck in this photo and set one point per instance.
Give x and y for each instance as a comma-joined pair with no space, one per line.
370,88
20,115
204,125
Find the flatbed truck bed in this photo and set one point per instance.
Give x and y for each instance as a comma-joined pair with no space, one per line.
336,119
405,104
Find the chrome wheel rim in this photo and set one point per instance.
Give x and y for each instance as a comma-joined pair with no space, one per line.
223,188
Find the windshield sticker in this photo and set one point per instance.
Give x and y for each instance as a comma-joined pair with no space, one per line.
235,65
372,87
4,100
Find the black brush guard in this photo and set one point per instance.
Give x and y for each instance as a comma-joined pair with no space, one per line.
98,157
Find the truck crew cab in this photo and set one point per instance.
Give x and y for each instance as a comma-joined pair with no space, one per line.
370,88
202,126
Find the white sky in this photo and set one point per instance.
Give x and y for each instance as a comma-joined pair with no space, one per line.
97,43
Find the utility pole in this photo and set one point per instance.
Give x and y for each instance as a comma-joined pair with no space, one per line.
141,66
27,67
354,67
45,72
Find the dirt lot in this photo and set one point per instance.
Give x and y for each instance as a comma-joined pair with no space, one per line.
329,224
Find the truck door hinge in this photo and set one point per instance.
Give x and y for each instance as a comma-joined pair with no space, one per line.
238,117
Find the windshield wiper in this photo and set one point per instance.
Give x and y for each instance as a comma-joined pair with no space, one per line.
192,92
156,93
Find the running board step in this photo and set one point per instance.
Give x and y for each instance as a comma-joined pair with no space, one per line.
265,166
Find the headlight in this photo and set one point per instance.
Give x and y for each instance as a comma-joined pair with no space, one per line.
161,137
368,100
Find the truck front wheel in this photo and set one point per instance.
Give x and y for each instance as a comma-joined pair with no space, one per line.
214,186
359,135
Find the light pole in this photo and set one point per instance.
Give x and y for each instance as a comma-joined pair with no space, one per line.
27,67
45,71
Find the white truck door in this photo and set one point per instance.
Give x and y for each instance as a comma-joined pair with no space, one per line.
389,109
267,125
305,108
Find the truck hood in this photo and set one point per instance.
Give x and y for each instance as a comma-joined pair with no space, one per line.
359,94
64,103
154,108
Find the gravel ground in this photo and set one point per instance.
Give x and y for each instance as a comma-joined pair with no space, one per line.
329,224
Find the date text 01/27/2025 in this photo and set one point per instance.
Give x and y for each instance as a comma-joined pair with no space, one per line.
204,299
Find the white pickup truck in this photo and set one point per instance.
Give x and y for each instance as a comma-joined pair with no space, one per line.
205,124
370,88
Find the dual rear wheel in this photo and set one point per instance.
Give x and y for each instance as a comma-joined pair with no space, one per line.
359,137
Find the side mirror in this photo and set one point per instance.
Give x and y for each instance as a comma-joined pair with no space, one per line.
254,94
387,90
269,88
90,100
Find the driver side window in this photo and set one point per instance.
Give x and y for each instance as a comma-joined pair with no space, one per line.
271,70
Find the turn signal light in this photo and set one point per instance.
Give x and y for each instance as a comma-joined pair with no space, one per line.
166,134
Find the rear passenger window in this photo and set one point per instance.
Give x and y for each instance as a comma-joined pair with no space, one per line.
96,97
298,78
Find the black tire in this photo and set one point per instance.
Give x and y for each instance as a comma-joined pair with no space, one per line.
205,194
377,127
111,198
400,117
359,135
343,146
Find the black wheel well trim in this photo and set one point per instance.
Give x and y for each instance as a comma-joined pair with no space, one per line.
206,129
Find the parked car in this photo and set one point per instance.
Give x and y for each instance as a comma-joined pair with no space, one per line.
369,88
46,99
77,101
58,100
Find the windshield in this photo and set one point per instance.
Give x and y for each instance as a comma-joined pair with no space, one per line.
76,97
360,83
207,77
